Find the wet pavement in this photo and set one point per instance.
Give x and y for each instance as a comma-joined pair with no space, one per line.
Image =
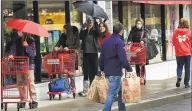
83,104
184,105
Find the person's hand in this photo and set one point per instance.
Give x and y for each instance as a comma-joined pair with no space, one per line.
10,56
142,43
129,43
102,73
56,48
25,43
66,48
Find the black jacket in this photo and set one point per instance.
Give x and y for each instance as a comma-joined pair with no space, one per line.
135,35
90,43
72,41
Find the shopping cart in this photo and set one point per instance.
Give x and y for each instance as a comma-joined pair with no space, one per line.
136,55
11,91
59,63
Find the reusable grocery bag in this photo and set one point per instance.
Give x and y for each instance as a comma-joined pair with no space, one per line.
59,85
103,87
92,91
131,92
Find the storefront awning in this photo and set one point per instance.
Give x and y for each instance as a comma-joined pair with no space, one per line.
166,2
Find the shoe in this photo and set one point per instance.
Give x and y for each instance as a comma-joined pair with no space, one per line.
22,105
85,89
83,94
33,105
187,86
178,82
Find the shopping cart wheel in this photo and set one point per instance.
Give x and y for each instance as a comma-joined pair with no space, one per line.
50,96
5,106
74,95
59,96
18,106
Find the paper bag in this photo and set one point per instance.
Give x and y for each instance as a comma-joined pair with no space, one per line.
92,91
131,92
103,87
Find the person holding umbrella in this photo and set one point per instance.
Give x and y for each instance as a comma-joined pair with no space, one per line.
25,46
90,46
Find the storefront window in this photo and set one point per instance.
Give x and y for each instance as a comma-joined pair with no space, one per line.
131,11
115,12
76,17
153,25
172,21
52,17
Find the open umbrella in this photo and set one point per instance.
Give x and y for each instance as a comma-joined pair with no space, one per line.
91,9
27,27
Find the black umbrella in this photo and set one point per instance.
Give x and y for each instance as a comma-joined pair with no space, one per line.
91,9
18,6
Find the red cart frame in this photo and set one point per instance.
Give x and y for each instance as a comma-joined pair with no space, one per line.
61,62
136,55
18,65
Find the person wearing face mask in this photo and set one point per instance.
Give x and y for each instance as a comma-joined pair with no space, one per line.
25,46
138,35
105,34
90,46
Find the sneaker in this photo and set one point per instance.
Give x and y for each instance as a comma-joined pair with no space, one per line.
178,82
187,86
82,94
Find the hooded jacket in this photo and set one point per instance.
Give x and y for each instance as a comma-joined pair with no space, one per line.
182,40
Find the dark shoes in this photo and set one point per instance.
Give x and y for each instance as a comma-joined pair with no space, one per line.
22,105
187,86
33,105
178,82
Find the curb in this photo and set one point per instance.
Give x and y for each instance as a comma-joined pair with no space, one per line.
151,103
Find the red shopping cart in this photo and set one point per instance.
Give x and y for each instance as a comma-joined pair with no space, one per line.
11,92
136,55
61,62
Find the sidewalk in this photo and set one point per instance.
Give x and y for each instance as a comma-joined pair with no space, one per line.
155,93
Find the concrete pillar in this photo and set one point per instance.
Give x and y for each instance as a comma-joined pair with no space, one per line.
107,6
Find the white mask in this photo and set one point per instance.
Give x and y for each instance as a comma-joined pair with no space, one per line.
20,34
139,26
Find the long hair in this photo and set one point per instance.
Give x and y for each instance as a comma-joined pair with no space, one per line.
183,23
106,27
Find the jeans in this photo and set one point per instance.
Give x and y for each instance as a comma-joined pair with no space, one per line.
115,85
183,61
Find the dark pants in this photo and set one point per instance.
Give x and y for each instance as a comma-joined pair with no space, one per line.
90,66
140,70
183,61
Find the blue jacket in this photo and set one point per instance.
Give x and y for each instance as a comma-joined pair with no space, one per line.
113,57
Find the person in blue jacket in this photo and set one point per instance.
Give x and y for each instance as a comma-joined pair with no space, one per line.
112,60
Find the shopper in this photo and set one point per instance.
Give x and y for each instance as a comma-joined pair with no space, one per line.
69,39
112,59
25,46
105,34
182,40
90,46
138,35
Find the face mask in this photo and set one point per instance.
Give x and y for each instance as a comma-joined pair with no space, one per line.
20,34
139,26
